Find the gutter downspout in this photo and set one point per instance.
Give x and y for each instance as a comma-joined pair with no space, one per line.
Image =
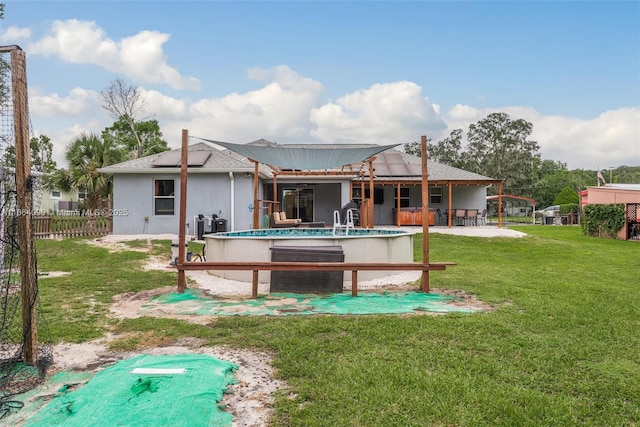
232,213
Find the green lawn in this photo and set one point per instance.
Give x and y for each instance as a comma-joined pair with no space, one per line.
560,348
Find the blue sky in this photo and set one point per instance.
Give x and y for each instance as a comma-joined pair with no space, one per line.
326,72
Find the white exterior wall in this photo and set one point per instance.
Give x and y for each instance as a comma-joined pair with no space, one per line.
133,200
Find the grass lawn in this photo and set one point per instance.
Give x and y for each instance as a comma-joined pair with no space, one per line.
562,346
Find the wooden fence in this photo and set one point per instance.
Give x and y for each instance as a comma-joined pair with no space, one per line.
59,226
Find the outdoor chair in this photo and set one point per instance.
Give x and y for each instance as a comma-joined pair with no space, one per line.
482,218
472,217
460,216
279,220
441,217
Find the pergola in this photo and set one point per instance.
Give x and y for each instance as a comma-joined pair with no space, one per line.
316,163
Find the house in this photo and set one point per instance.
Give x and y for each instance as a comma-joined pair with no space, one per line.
220,182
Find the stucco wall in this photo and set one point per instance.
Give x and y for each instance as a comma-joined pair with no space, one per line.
206,194
604,195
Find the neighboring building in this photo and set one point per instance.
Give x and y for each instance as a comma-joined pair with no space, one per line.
627,194
147,190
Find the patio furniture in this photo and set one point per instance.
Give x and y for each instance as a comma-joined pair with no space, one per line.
461,215
441,216
482,218
279,220
472,217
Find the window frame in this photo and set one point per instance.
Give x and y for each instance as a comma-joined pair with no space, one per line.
164,211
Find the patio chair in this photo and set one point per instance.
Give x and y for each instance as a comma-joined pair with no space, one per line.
460,216
472,217
441,217
482,218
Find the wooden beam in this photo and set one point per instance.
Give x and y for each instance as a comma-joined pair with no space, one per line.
320,266
24,203
182,281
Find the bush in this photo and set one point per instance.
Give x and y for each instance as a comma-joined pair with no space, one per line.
566,196
603,220
568,208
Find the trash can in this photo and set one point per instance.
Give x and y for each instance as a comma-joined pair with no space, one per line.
221,225
548,220
307,281
175,246
200,226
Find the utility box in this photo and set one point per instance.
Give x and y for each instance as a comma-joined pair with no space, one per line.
307,281
221,225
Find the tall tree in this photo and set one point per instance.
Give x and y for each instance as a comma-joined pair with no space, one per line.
449,150
146,140
500,147
124,103
41,149
85,155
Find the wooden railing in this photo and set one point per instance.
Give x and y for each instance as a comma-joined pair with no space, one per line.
56,226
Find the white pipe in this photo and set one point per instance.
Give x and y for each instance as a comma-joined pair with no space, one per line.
232,215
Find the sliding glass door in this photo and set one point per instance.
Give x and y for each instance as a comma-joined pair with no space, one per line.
298,203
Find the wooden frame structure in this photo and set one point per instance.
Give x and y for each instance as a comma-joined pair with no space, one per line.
255,267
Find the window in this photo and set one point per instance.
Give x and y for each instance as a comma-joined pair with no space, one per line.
435,196
82,194
55,194
164,198
404,197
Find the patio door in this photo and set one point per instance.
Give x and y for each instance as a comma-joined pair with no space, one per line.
298,203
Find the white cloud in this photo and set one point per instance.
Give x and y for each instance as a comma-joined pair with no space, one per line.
139,57
76,103
610,139
277,111
15,34
383,114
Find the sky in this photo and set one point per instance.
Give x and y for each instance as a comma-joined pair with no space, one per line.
383,72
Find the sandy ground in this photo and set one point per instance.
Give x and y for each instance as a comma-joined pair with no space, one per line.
251,399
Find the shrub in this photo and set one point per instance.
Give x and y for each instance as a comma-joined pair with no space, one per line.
603,220
566,196
568,208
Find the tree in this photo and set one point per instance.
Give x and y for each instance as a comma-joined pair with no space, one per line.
567,196
85,155
449,150
144,140
499,147
123,102
40,149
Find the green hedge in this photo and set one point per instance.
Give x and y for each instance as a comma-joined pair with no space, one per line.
603,220
568,208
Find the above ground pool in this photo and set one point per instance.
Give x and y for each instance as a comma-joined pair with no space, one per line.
359,245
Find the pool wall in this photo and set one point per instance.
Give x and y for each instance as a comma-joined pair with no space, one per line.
390,247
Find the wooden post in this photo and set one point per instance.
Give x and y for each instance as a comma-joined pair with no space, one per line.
256,204
354,283
254,284
24,186
425,216
500,204
398,205
182,281
449,210
371,197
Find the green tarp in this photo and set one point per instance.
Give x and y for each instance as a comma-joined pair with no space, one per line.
116,397
196,302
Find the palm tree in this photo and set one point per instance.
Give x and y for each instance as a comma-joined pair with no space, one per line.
85,155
